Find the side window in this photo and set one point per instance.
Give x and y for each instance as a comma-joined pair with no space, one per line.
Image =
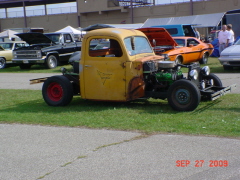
105,48
192,42
172,31
180,42
67,38
188,31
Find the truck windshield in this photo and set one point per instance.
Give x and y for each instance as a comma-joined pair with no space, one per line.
54,37
141,45
6,46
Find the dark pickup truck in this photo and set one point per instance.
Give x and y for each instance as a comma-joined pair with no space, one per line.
49,49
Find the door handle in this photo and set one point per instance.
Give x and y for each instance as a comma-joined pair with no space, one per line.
87,65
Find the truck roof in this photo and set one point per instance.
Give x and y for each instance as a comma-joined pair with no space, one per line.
114,32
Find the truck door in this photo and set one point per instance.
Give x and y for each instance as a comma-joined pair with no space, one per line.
104,73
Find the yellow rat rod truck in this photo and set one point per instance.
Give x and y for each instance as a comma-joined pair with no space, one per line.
123,67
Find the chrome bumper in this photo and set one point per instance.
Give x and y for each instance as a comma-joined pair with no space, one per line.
213,93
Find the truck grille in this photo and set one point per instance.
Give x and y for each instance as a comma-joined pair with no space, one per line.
26,54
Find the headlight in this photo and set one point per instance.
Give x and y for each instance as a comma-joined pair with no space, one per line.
39,54
205,70
193,74
14,54
202,85
166,57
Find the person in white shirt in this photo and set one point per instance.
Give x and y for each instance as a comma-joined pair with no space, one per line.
223,36
197,33
231,38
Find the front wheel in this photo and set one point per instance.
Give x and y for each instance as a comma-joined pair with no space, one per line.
51,62
183,95
204,59
213,80
57,91
178,60
2,63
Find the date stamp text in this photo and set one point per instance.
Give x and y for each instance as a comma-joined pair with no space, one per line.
201,163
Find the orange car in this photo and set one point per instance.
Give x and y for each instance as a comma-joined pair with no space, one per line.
183,50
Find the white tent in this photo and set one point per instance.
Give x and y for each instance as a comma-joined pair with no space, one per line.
8,34
77,34
71,30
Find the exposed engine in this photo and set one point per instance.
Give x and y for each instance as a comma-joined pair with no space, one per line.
160,75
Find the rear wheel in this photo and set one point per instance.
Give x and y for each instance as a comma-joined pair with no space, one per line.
204,59
2,63
183,95
57,91
51,62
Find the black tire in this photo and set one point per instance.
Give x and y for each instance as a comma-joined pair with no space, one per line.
2,63
57,91
227,67
51,62
204,59
25,66
178,60
216,80
184,95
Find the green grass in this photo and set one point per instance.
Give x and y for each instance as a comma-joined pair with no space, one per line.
213,63
33,69
218,118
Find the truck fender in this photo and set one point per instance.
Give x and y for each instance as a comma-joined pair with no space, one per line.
53,53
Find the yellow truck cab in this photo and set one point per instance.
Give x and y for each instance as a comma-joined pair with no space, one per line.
122,66
114,72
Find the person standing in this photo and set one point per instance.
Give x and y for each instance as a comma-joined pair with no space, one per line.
197,33
223,36
231,38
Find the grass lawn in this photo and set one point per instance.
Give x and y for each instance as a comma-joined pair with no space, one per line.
213,63
33,69
220,117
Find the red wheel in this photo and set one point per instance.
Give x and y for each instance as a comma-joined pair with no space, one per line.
57,91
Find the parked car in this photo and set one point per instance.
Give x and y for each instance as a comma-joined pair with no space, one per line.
6,49
49,49
230,57
183,50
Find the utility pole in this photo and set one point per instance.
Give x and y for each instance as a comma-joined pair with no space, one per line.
132,11
25,17
191,7
78,15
